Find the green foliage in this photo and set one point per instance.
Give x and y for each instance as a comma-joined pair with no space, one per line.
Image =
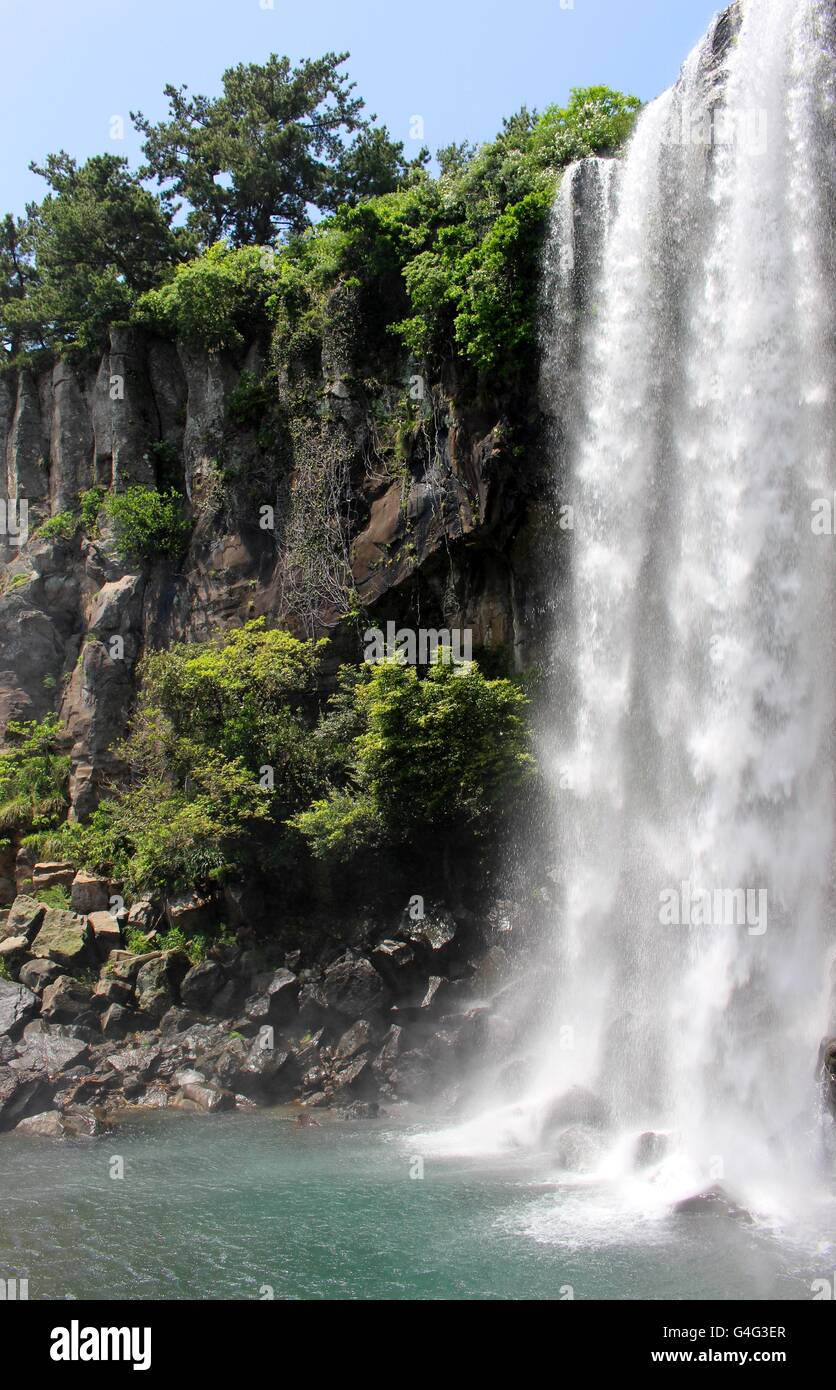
137,942
62,526
33,776
56,896
100,239
596,121
276,136
212,301
437,759
90,506
147,524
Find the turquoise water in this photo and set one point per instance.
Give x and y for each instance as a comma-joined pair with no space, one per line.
232,1207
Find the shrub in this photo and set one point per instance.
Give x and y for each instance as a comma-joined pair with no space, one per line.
90,506
436,760
147,524
62,526
33,776
214,300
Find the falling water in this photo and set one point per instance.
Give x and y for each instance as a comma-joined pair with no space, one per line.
689,374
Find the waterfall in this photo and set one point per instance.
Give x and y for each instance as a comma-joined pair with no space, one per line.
689,373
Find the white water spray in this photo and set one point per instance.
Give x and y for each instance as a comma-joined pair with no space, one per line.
690,373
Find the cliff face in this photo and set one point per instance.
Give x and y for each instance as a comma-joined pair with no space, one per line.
328,498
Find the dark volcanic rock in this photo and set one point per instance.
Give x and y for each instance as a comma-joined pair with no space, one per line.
66,1000
17,1005
352,987
201,984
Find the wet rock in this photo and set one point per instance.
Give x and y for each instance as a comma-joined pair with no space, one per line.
37,974
579,1149
313,1006
209,1098
358,1037
144,1061
360,1110
65,1001
17,1005
21,1093
387,1057
156,984
75,1123
25,917
200,985
651,1148
714,1201
436,931
352,987
433,1000
49,1050
576,1106
89,893
413,1078
275,997
396,962
223,1003
356,1077
64,938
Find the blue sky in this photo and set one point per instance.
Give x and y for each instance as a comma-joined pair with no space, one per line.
69,66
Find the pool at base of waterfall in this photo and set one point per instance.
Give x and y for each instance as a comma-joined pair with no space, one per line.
254,1207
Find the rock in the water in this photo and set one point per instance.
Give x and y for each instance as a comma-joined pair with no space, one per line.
651,1148
579,1149
63,937
209,1098
75,1123
17,1005
576,1106
714,1201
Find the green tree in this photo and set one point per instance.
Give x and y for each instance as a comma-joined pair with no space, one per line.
251,163
18,279
434,765
100,240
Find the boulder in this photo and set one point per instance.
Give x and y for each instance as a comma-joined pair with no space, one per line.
116,1020
579,1149
200,985
17,1005
13,951
48,1049
25,917
66,1000
387,1057
352,987
75,1123
142,915
713,1201
209,1098
143,1061
107,934
354,1040
413,1078
109,990
281,990
37,974
63,937
576,1106
651,1147
89,893
21,1093
154,990
356,1076
59,875
189,912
